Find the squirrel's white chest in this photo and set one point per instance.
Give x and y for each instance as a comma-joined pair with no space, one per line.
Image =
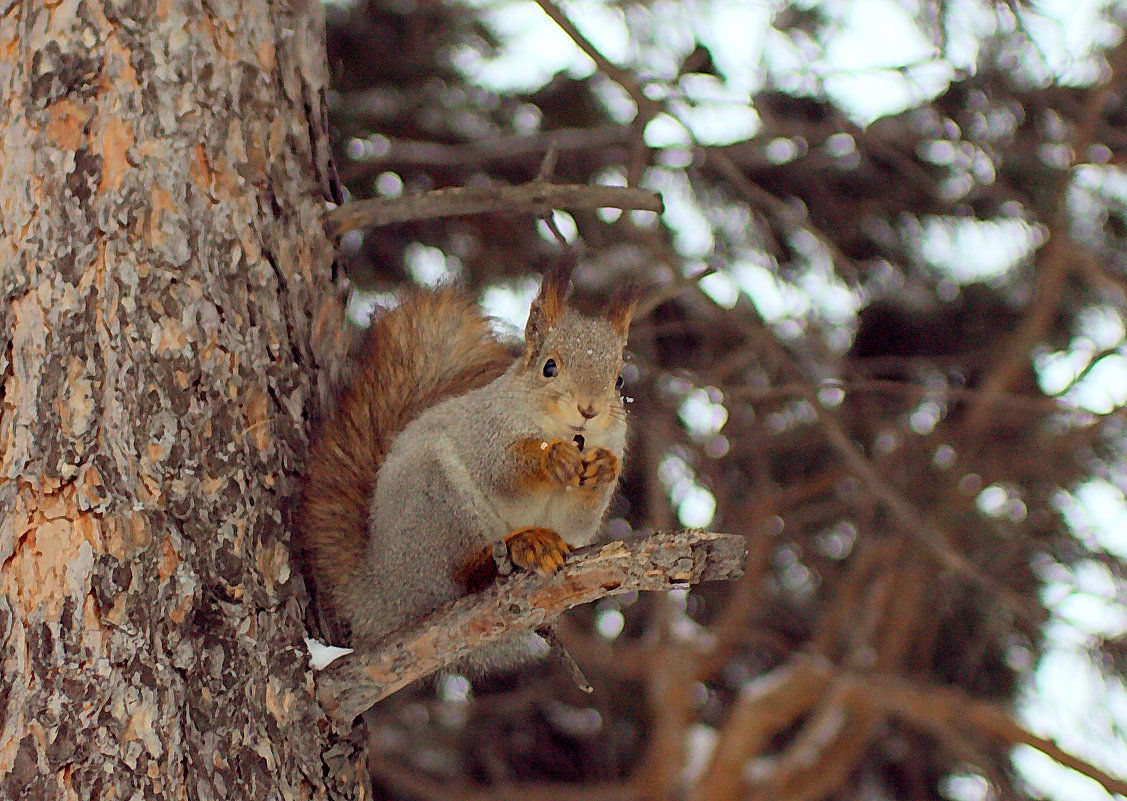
554,509
496,514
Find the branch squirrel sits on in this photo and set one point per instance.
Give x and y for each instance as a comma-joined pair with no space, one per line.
442,445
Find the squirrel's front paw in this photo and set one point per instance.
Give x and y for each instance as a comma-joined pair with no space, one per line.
563,462
539,549
600,466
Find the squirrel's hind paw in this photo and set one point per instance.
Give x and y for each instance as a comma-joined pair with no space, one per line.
539,549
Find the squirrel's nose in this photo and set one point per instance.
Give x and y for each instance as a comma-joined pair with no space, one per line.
588,411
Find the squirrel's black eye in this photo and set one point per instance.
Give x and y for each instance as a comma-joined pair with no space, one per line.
550,368
618,384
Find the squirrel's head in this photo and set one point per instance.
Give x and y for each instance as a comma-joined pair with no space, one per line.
574,360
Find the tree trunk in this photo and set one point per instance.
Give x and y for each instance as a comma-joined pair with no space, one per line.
161,184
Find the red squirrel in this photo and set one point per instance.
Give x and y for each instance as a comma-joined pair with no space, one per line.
443,444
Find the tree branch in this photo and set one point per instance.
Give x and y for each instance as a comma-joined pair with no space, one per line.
537,197
494,151
764,707
1055,260
623,77
647,107
662,561
930,706
923,528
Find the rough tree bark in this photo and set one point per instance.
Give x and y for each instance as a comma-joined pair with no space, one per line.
161,187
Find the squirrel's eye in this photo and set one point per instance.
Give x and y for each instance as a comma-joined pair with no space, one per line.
550,368
618,383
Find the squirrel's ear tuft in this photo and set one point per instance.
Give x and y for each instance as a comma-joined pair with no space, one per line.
621,308
549,304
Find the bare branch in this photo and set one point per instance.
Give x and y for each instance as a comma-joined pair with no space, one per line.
1056,260
409,781
928,706
537,197
776,699
910,390
662,561
824,752
765,707
923,528
398,154
647,107
623,77
755,195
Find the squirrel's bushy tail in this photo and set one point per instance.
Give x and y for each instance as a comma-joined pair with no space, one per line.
433,346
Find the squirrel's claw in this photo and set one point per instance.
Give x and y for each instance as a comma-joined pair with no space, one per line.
599,466
563,462
538,549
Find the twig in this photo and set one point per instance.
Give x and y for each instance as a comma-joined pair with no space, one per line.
647,107
544,174
623,77
564,657
550,221
548,163
907,388
525,601
1094,360
535,197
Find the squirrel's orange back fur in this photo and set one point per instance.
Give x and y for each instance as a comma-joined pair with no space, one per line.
433,346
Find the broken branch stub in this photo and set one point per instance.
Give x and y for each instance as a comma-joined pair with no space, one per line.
662,561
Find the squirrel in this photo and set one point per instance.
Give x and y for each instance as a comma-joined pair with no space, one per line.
443,444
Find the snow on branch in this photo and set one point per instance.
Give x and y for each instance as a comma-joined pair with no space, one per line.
661,561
